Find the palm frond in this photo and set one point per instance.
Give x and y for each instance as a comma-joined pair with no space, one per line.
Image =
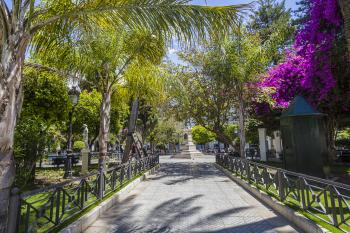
169,18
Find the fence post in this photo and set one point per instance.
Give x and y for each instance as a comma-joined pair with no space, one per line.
121,175
280,185
14,211
247,171
302,191
101,184
333,207
129,170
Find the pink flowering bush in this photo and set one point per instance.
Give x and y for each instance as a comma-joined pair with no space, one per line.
307,69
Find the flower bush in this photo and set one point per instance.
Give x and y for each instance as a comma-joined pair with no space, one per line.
307,69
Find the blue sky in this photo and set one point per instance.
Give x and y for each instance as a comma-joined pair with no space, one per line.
289,3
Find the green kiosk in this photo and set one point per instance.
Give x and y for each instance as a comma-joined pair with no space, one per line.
304,138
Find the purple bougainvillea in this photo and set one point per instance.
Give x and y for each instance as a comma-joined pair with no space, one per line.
307,68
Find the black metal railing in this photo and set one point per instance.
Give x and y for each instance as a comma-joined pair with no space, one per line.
323,199
44,209
112,156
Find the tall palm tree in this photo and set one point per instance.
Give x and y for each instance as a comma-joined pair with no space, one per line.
25,18
345,9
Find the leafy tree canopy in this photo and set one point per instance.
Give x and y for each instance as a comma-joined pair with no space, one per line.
201,135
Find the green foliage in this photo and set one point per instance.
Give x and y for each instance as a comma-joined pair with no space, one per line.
343,137
46,95
221,81
87,112
146,81
119,109
44,112
231,131
252,126
167,131
201,135
273,23
78,145
148,118
169,18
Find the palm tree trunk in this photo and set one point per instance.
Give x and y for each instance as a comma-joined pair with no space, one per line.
11,97
105,116
345,9
241,125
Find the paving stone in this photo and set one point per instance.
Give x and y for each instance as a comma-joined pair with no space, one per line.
189,196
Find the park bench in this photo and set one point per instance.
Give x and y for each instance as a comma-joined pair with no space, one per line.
59,159
343,155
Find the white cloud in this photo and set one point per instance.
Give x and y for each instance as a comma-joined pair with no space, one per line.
172,51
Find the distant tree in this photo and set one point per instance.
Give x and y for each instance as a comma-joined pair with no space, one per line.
345,10
301,13
231,131
207,100
167,131
273,23
201,135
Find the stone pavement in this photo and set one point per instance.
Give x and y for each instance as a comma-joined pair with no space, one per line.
189,196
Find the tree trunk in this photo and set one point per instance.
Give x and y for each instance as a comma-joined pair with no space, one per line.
222,137
131,130
105,116
241,126
332,126
345,9
11,97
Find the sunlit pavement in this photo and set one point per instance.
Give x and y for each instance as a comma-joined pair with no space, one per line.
189,196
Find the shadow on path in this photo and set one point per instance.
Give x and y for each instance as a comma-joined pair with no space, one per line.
189,197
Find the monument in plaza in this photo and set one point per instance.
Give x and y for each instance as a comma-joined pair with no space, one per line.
187,148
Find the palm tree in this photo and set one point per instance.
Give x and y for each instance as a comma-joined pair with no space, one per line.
27,18
345,9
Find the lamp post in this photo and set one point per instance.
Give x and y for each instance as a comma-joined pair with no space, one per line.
73,93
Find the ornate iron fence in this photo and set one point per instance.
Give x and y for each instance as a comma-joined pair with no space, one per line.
113,156
44,209
323,199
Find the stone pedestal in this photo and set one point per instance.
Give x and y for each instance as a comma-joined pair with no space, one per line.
84,162
277,144
262,144
188,148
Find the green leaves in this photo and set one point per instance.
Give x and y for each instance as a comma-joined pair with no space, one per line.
167,131
273,23
201,135
46,96
164,18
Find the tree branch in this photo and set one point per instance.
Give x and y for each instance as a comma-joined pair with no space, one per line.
5,19
127,62
45,68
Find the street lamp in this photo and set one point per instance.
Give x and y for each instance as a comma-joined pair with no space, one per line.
73,93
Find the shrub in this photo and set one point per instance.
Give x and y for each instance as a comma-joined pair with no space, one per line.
78,145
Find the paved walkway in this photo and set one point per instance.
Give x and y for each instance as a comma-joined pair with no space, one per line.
189,196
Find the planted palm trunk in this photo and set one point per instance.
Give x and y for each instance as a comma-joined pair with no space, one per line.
11,97
241,126
105,117
345,9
